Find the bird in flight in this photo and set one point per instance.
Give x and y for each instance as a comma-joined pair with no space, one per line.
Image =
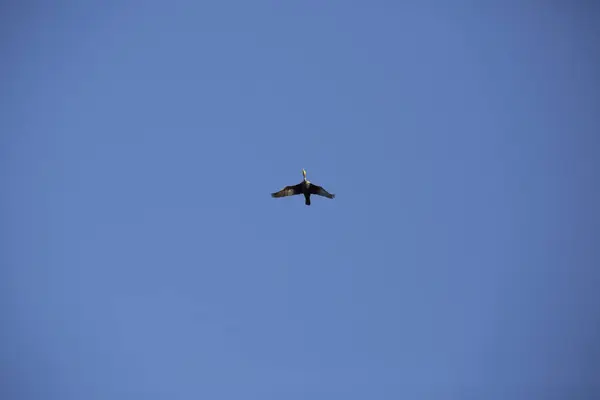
306,188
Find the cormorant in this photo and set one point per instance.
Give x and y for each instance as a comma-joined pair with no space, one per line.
306,188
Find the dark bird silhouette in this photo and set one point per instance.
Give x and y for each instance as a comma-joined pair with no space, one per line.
306,188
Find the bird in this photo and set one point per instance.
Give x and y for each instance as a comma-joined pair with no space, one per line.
306,188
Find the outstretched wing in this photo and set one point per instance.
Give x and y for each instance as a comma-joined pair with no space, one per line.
288,191
318,190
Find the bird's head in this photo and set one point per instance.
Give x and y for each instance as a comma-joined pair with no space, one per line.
304,173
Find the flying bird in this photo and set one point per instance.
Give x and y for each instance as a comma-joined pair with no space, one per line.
306,188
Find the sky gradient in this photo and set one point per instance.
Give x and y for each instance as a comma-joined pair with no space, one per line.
142,255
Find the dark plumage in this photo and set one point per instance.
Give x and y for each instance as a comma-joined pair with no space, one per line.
306,188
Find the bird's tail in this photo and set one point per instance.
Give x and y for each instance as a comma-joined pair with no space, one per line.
307,200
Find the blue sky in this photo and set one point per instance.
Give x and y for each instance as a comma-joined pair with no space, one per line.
142,255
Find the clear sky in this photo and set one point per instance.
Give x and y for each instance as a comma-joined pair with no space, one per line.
143,257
